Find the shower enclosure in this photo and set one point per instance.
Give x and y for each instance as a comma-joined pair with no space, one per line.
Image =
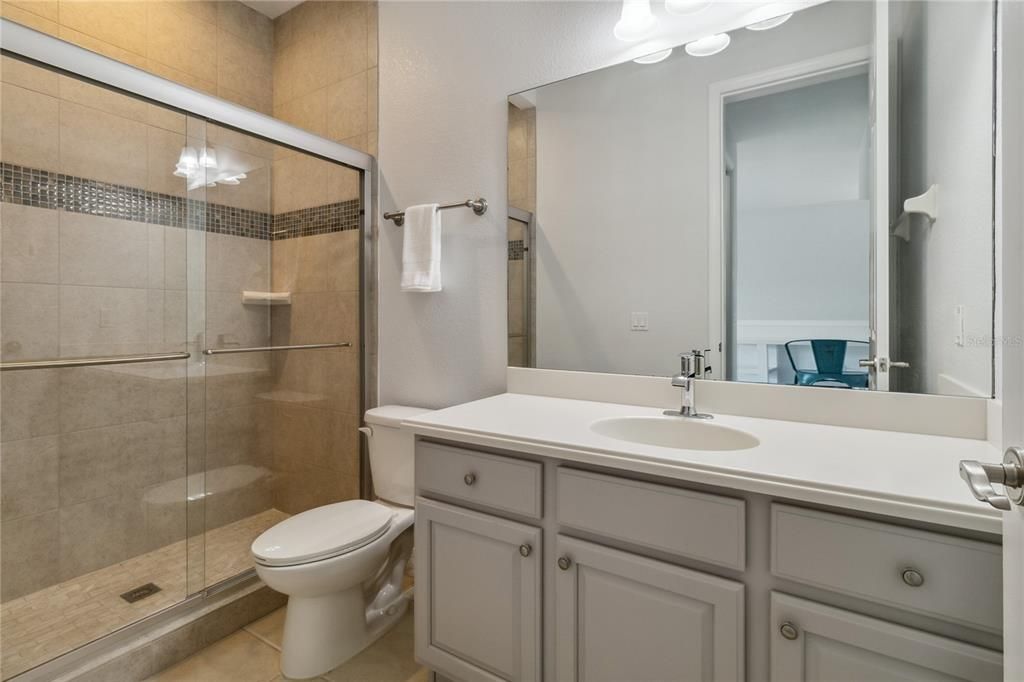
181,337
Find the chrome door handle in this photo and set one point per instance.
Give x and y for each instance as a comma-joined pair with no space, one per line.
882,364
981,478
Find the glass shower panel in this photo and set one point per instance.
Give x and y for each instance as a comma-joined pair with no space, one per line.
282,270
95,263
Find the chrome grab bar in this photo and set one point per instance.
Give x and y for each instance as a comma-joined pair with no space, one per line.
92,362
261,349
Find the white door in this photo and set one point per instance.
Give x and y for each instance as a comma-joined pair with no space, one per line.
1010,218
880,209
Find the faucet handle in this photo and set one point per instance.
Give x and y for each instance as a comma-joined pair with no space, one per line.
686,364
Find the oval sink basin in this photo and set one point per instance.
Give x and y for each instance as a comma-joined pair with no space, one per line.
674,432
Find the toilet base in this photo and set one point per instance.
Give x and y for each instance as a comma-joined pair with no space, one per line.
321,633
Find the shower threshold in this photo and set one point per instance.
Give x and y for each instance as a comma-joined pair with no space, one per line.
45,624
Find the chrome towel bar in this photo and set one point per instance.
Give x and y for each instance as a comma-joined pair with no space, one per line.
262,349
479,207
92,362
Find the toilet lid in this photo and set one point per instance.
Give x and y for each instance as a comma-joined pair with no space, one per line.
322,533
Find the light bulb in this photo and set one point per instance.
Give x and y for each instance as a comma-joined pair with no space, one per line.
684,7
636,22
769,23
654,57
709,45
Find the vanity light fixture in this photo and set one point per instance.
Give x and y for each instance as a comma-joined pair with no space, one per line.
769,23
637,21
684,7
709,45
654,57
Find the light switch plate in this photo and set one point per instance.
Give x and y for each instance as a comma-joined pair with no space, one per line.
958,321
638,322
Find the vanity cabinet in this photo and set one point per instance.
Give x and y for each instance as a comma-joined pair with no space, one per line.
480,619
814,642
619,616
531,568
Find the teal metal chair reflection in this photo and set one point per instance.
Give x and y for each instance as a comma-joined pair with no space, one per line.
828,362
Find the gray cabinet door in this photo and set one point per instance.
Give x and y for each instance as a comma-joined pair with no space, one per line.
478,590
624,617
826,644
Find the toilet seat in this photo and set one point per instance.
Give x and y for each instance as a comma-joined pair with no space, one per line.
322,533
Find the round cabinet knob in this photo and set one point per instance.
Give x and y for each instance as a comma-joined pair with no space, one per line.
469,479
789,631
564,563
525,550
912,577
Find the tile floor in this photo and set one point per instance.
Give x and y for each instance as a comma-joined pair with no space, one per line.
57,619
253,655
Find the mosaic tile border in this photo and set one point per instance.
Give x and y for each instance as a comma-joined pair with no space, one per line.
516,249
344,215
46,189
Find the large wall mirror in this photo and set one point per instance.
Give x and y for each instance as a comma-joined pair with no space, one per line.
814,204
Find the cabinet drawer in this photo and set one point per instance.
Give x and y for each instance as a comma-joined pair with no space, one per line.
959,580
687,523
503,483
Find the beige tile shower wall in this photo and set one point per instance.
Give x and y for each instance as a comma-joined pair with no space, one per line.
522,158
325,81
316,393
92,460
522,193
221,48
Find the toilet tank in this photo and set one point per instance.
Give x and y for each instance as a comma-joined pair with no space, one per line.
391,451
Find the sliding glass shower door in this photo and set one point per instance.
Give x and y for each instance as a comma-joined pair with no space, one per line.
181,342
96,232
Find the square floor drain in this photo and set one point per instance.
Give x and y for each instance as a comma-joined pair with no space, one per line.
141,592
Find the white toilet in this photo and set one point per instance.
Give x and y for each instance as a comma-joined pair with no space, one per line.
342,564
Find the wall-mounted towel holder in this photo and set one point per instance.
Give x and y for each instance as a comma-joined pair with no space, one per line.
479,207
926,204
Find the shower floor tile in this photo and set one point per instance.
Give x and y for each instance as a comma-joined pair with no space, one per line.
57,619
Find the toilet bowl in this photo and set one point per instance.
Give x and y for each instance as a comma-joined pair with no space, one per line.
342,564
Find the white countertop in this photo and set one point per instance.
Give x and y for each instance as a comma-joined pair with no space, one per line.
905,475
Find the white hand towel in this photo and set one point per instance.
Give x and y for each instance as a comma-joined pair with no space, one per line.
421,250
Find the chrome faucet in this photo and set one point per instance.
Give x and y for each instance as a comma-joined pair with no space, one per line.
691,368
